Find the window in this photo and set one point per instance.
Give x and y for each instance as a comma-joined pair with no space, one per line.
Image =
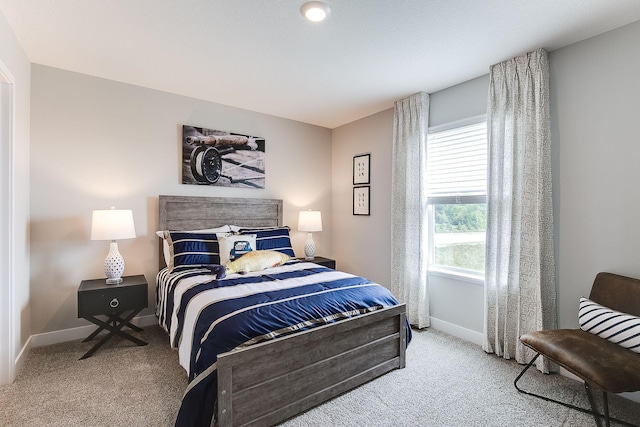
457,197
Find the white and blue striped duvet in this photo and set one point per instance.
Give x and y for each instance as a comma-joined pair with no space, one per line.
206,317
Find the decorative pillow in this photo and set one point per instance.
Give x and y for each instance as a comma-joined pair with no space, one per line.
193,249
257,261
615,326
165,244
233,246
271,239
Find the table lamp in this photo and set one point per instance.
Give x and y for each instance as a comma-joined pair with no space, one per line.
309,221
113,225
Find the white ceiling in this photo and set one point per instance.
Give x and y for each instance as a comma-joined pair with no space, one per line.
262,55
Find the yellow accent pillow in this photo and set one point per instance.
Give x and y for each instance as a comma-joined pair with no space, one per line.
257,261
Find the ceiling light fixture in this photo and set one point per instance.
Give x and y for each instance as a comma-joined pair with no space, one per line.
315,11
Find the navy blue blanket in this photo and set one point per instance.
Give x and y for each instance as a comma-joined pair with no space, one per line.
206,317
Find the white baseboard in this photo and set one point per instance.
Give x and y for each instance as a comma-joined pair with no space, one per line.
81,332
457,331
22,356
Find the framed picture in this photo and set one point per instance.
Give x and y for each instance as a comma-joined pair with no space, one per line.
361,169
361,200
221,158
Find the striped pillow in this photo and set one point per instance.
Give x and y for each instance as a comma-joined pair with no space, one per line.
192,249
272,239
617,327
165,244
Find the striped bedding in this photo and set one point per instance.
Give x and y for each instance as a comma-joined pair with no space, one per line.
205,317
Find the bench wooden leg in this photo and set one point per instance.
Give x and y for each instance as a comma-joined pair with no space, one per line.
594,412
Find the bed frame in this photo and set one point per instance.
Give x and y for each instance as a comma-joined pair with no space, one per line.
269,382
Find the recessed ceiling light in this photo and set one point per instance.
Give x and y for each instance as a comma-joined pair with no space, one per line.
315,11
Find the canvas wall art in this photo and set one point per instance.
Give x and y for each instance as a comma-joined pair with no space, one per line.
225,159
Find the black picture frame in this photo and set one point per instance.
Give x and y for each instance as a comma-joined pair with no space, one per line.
362,169
362,200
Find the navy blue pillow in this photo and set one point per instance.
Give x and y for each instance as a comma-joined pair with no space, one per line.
192,249
271,239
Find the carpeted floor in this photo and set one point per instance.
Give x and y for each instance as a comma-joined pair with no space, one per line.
447,382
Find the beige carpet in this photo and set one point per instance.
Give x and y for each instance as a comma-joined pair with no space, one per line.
447,382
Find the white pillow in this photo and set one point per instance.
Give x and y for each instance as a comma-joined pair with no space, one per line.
165,244
233,246
615,326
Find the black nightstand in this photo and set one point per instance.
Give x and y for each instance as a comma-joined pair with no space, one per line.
96,298
325,262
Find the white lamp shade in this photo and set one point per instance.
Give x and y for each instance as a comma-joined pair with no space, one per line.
310,221
112,224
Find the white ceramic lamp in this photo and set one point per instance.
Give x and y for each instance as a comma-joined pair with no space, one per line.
113,225
309,221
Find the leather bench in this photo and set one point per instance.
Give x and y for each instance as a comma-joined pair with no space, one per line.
600,363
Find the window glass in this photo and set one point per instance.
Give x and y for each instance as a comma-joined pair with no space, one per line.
456,186
459,235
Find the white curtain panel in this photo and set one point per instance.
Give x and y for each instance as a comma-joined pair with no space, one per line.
409,207
520,291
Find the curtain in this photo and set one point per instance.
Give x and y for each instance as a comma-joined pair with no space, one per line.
520,292
409,207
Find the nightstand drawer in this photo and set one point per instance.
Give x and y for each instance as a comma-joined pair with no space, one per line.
114,300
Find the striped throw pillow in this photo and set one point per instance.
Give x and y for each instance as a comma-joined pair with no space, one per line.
271,239
192,249
615,326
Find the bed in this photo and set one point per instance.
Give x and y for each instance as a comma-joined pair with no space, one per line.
281,374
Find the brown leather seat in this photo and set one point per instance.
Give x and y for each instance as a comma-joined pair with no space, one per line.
602,364
596,360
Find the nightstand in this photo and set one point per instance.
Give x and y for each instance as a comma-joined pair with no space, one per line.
325,262
96,298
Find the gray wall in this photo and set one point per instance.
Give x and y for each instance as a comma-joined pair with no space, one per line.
361,243
97,143
595,105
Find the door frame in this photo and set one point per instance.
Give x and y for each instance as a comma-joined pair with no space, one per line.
7,273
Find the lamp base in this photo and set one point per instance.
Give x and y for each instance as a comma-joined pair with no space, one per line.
309,248
113,265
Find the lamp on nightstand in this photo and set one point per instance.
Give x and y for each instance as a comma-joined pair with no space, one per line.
309,221
113,225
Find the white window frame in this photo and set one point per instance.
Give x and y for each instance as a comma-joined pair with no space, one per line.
444,271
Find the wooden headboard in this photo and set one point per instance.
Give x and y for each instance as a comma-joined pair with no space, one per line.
194,213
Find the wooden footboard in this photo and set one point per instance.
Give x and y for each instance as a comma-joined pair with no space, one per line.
267,383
